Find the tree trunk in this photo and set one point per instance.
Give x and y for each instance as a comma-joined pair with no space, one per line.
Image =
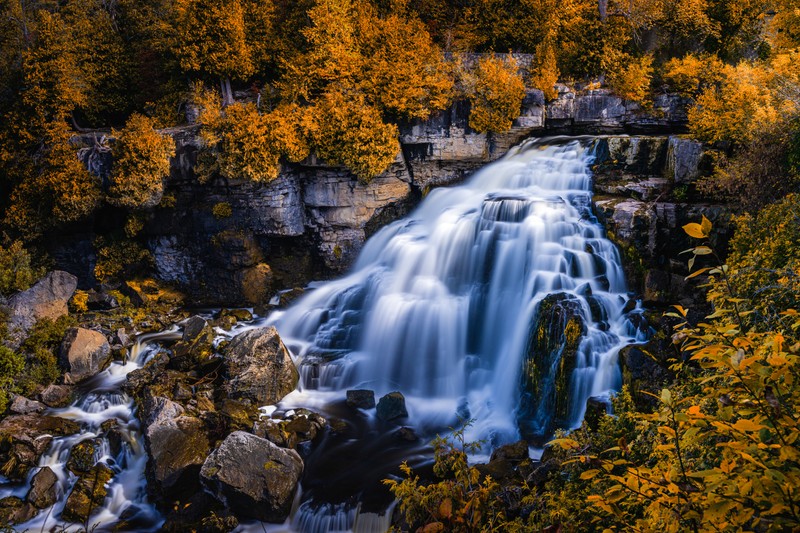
602,7
227,93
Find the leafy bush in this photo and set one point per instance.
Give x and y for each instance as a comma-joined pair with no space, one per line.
16,272
11,367
630,77
495,91
222,210
349,132
141,163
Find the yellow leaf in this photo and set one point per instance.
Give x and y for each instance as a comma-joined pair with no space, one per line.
705,225
446,508
589,474
694,230
747,426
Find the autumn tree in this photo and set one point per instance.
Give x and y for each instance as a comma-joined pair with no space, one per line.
141,163
347,131
495,91
212,40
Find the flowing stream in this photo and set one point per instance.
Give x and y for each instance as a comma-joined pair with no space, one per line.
441,306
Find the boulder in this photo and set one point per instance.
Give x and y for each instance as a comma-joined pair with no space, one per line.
643,371
684,158
391,406
253,477
83,456
24,438
44,489
260,369
177,446
195,345
515,452
85,352
56,395
23,406
46,299
596,409
13,510
361,399
88,494
302,426
547,369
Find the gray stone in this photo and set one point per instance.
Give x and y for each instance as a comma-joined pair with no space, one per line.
253,477
85,352
515,452
56,395
392,406
23,406
260,369
177,444
44,489
360,398
46,299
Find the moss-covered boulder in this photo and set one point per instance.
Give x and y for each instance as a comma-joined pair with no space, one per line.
24,438
88,494
553,343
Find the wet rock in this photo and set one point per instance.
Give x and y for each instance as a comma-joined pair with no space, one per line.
596,409
85,352
260,369
46,299
23,406
515,452
241,315
101,301
551,357
684,159
88,494
361,399
302,426
392,406
644,371
253,477
195,346
137,380
13,510
177,446
83,456
44,489
657,287
239,416
115,436
406,434
56,395
287,297
202,513
24,438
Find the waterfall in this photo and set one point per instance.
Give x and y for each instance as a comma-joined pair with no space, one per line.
449,305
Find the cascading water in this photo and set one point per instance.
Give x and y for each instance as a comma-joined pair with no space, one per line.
443,304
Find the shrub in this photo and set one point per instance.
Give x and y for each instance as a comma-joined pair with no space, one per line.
141,163
349,132
630,78
11,367
16,272
222,210
120,259
692,74
495,91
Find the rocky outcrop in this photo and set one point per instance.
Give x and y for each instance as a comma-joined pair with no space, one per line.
253,477
24,438
392,406
645,192
88,494
551,357
259,366
84,352
44,489
46,299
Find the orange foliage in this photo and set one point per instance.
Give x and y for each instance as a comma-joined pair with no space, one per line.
495,91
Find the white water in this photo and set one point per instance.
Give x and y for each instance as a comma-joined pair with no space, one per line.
440,304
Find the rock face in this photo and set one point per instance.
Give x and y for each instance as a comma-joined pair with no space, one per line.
88,494
84,352
547,369
46,299
253,477
260,368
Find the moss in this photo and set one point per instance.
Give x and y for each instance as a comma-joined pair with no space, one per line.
222,210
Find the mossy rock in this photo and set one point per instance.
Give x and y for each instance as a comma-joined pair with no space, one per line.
88,494
82,457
